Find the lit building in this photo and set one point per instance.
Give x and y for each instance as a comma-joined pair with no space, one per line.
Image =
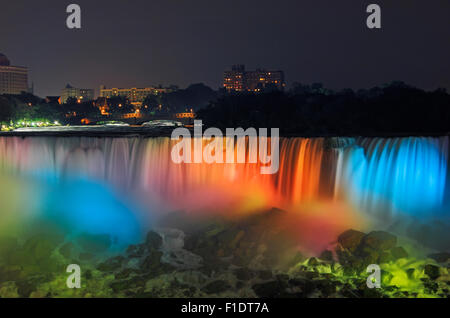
240,80
135,95
80,94
13,79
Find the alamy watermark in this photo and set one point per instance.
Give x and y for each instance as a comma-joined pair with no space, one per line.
74,279
235,146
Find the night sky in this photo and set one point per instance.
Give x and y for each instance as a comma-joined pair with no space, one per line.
144,42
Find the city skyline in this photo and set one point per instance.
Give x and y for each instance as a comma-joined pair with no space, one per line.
136,44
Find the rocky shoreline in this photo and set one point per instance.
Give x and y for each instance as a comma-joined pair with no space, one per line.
250,258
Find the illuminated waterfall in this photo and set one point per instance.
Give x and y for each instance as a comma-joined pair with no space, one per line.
92,182
394,176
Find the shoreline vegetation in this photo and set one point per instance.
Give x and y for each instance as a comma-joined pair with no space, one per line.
392,110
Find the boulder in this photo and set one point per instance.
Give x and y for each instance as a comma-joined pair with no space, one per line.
153,240
326,256
272,289
243,274
350,239
111,264
379,240
136,251
432,271
399,252
440,257
216,287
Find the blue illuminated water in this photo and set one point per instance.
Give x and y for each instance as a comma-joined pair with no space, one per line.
396,176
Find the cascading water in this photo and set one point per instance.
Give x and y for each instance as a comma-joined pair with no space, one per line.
110,185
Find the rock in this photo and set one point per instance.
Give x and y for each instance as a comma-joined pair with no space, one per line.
111,264
367,255
135,251
399,252
440,257
125,273
152,262
94,244
313,261
25,288
216,287
326,256
306,285
153,240
379,240
243,274
326,286
265,274
385,257
272,289
350,239
432,271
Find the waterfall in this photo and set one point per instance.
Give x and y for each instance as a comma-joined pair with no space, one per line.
380,177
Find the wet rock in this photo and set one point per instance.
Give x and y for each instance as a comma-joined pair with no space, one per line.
136,251
131,283
432,271
379,240
306,285
272,289
125,273
326,286
350,239
326,256
399,252
153,240
243,274
216,287
111,264
152,262
385,257
265,274
368,256
313,261
25,288
429,285
440,257
94,243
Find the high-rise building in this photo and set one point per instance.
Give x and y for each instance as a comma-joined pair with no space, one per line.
240,80
135,95
80,94
13,79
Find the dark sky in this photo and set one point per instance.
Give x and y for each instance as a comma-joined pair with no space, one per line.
145,42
